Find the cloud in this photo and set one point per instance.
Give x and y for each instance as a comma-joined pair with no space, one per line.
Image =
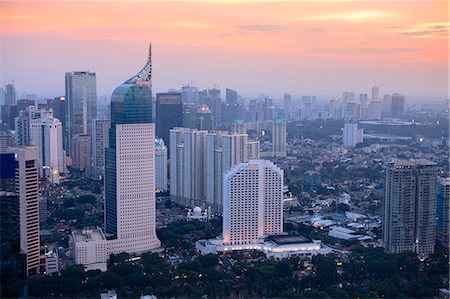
317,29
428,30
365,50
259,28
354,16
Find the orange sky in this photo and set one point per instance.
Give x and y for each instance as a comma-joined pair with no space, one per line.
308,47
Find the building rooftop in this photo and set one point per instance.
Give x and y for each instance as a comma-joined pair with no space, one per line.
285,239
88,234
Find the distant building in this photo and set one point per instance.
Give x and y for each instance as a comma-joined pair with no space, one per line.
81,153
375,93
348,96
51,259
197,213
352,135
100,141
311,179
81,97
442,210
254,152
89,248
397,106
169,114
10,96
374,110
46,134
279,138
189,94
410,207
161,173
387,105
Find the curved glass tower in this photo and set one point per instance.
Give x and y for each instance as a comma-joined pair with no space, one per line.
129,167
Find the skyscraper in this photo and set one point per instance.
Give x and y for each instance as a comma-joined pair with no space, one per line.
10,96
375,93
253,202
387,105
46,134
26,186
161,165
288,109
82,153
442,210
279,138
397,105
410,207
189,94
351,135
81,97
130,209
169,114
100,141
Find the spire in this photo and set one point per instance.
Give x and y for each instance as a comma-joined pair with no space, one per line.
144,77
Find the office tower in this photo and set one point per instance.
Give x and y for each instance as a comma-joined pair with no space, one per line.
375,93
27,188
130,208
90,248
374,110
82,153
442,210
46,135
10,96
410,207
189,94
397,105
2,96
100,141
351,135
387,105
161,165
279,138
22,129
58,105
253,150
231,96
352,110
169,114
23,104
81,97
348,96
6,140
253,202
363,98
335,109
204,119
288,109
223,150
9,113
215,104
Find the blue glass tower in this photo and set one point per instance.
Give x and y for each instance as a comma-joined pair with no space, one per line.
131,103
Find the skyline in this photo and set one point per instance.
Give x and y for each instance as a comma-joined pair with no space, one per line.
321,48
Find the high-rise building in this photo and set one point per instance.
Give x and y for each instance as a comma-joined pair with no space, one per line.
253,150
363,98
100,141
352,135
169,114
348,96
46,134
279,138
10,96
82,153
253,202
375,93
161,182
215,104
58,105
231,96
81,97
374,110
397,105
187,166
130,207
387,105
223,150
204,119
26,186
90,248
442,210
189,94
409,222
288,109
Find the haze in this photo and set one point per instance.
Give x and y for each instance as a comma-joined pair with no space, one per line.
320,47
